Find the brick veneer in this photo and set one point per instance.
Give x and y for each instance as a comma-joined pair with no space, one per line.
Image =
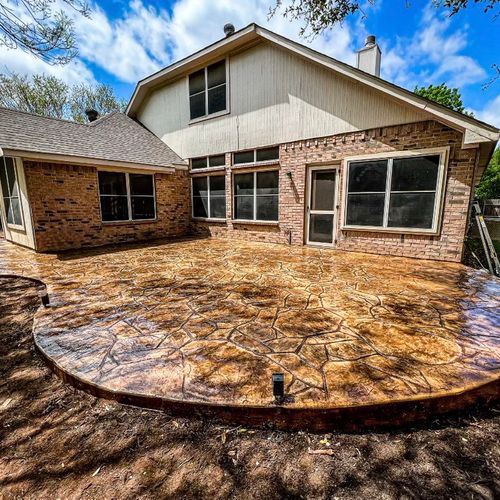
65,208
295,157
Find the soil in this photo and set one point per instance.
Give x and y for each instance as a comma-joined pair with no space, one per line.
57,442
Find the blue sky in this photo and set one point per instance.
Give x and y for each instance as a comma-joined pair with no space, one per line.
125,40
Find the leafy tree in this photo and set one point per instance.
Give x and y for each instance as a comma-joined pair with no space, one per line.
36,27
489,187
49,96
447,96
319,15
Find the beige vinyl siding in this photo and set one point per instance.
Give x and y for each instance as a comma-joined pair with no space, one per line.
275,97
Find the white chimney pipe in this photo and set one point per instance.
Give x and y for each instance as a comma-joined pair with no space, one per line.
369,57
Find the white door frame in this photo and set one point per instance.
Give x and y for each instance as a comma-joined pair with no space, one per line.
336,168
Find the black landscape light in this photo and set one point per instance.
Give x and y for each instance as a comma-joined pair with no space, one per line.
279,386
44,297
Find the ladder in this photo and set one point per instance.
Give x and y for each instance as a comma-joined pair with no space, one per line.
489,249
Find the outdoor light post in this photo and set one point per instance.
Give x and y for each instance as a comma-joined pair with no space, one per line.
278,387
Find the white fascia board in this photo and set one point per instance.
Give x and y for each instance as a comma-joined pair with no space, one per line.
93,162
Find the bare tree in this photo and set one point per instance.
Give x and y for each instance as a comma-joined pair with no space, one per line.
37,27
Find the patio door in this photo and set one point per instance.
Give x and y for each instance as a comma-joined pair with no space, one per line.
320,210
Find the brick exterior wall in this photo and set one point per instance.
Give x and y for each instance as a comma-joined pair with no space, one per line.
294,159
66,213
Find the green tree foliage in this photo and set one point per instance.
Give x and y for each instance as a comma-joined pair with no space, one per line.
489,187
37,27
447,96
49,96
319,15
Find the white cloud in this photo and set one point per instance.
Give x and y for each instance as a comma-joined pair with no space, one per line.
437,53
17,61
490,113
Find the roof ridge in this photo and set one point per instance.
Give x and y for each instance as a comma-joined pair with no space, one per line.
104,118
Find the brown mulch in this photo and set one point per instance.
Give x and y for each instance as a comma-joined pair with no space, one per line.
57,442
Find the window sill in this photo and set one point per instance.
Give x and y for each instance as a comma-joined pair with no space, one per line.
395,230
256,222
16,227
208,219
207,170
256,164
125,222
203,118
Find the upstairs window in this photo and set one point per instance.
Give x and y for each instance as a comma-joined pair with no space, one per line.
208,90
271,154
126,196
208,162
395,193
10,191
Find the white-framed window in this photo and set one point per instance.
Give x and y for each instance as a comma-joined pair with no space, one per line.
256,196
399,192
208,162
208,93
10,191
208,194
259,155
126,196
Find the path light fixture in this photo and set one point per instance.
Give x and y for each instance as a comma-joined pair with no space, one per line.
44,297
278,386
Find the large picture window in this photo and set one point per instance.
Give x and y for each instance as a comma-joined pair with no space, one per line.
256,196
395,193
10,191
126,196
209,197
208,90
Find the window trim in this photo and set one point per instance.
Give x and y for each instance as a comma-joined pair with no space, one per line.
255,162
443,153
254,220
208,116
208,219
129,197
16,173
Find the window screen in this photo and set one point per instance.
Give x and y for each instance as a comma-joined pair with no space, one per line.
408,202
10,191
126,196
256,196
208,90
209,197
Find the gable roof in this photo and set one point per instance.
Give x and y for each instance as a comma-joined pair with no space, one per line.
474,130
114,139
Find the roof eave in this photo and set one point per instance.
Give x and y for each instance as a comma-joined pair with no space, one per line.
94,162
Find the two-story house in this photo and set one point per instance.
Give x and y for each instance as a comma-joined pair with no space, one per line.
253,137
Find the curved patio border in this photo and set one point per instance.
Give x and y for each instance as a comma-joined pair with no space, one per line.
346,418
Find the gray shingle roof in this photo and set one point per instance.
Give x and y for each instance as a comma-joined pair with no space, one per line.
114,137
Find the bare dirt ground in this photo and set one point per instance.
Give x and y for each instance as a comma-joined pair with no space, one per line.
56,442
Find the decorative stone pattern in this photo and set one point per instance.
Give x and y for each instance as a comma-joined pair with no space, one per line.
295,157
66,212
209,321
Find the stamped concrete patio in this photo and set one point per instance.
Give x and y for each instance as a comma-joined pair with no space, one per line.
201,325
